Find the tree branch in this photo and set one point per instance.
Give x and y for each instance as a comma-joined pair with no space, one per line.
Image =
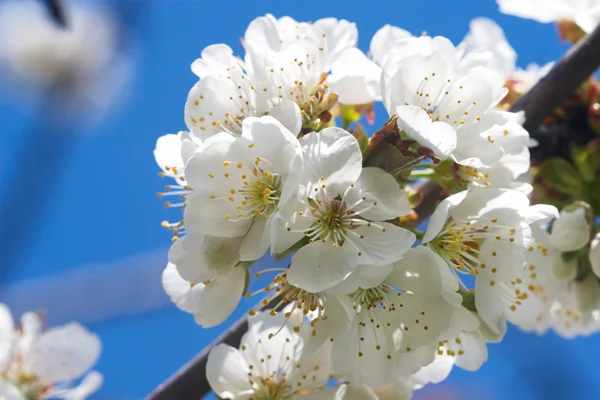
578,64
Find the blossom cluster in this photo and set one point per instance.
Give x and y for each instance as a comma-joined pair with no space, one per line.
38,363
367,298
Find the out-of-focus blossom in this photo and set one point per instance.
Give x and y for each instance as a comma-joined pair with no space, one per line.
38,364
586,13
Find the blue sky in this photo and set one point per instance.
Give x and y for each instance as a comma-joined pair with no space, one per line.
101,228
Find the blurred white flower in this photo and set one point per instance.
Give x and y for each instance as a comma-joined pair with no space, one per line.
81,59
486,46
38,363
586,13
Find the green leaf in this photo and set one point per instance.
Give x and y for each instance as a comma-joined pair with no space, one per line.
561,176
390,159
583,162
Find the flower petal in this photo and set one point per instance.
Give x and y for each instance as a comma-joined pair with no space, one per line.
377,244
378,190
63,353
288,113
256,242
227,372
439,137
220,297
332,154
318,266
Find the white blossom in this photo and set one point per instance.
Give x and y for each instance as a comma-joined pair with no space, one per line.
557,297
342,214
379,317
483,233
36,48
239,183
442,107
270,363
38,363
524,79
485,45
571,230
586,13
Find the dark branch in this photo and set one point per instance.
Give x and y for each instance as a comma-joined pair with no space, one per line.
566,76
190,381
57,12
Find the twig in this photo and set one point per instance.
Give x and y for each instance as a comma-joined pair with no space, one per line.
57,12
566,76
190,381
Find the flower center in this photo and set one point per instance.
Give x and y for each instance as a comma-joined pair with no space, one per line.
261,194
468,175
373,297
459,245
272,389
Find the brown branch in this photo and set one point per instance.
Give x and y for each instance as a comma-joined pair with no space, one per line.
566,76
190,381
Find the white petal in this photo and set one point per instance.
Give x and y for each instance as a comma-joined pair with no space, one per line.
384,39
365,276
435,372
89,385
184,294
220,297
440,215
227,372
168,154
280,148
338,35
8,391
288,113
595,254
549,12
256,242
483,201
332,154
355,78
63,353
382,193
201,257
475,351
488,303
215,60
378,244
318,266
571,230
564,270
439,137
7,334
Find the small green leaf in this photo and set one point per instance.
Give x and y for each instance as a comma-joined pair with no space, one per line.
561,176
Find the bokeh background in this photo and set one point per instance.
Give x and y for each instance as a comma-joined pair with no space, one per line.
85,236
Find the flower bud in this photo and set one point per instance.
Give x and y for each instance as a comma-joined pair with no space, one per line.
564,268
595,255
587,293
571,231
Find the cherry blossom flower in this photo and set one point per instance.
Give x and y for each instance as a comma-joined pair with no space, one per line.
239,183
444,108
38,363
343,215
270,363
483,233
